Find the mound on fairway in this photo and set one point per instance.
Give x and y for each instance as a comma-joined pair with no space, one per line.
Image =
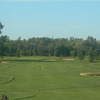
5,79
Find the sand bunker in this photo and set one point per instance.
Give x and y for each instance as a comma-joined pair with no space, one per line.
68,59
51,60
4,62
91,74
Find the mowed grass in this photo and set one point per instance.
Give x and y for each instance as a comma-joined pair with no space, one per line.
48,78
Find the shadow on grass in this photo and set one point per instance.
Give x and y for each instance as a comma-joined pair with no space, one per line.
21,60
25,97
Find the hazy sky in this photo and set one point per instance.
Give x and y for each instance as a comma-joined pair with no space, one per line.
50,18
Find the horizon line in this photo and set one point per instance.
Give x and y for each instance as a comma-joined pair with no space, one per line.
50,0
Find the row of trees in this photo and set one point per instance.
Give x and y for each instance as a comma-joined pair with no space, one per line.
50,47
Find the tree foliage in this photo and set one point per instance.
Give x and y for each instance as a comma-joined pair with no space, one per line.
81,54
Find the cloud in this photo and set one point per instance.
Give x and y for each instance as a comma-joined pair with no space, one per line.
48,0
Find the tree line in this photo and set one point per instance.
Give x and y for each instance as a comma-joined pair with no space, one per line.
50,47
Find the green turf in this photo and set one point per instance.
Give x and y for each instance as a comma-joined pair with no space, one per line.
48,78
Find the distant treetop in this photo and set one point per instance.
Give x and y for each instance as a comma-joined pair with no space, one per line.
1,27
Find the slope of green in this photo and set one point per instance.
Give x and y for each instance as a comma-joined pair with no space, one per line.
48,78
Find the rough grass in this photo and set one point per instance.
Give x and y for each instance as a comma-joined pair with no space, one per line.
40,78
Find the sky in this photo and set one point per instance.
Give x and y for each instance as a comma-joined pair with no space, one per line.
50,18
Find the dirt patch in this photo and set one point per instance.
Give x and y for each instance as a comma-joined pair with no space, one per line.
91,74
68,59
